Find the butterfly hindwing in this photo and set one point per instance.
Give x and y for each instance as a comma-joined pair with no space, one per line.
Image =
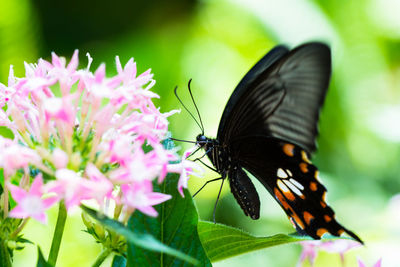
285,170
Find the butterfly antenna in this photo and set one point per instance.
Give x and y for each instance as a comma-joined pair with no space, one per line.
191,115
194,103
216,202
180,140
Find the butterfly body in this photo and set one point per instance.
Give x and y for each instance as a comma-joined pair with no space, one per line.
269,128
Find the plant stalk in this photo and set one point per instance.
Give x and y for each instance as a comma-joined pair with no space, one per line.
5,259
102,256
58,233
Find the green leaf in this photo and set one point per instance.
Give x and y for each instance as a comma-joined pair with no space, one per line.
41,261
175,226
6,132
221,241
118,261
136,240
20,239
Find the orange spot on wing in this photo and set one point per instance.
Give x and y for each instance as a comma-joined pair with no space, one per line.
289,195
288,149
287,207
303,167
327,218
305,157
307,217
340,232
323,204
321,231
281,199
298,221
313,186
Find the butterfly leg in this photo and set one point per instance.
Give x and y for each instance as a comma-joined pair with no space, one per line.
209,181
208,151
219,193
194,152
208,166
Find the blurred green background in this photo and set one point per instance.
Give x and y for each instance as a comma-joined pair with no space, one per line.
215,43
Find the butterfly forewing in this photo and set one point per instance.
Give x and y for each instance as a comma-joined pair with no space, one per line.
281,99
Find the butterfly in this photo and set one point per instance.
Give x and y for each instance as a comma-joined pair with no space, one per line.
269,128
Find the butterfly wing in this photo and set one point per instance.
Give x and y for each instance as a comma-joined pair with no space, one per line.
287,173
280,96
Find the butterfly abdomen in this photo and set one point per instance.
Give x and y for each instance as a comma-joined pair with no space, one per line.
244,191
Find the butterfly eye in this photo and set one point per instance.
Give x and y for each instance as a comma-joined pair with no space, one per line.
201,139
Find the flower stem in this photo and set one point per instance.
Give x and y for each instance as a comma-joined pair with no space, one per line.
58,233
102,256
19,229
5,197
5,259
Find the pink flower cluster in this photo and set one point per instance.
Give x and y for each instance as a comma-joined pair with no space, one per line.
311,248
339,246
84,136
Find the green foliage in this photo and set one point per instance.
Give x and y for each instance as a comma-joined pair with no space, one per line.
5,257
5,132
144,240
221,241
41,262
175,226
118,261
215,43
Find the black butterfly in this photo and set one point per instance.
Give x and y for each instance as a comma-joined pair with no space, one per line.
269,127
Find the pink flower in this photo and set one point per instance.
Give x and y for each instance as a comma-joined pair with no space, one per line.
101,187
362,264
89,133
340,246
60,158
310,248
309,252
31,203
140,195
71,187
14,156
137,165
185,168
60,109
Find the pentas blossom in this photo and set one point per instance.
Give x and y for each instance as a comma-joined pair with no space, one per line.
311,248
185,168
362,264
141,196
93,137
31,203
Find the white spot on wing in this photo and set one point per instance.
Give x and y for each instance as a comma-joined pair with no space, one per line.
293,188
297,184
289,172
282,186
281,174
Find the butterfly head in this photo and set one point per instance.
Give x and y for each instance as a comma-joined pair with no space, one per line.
202,140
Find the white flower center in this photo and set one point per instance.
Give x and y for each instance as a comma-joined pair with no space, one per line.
32,204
